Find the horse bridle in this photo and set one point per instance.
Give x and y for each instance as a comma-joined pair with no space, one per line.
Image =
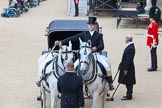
66,52
90,56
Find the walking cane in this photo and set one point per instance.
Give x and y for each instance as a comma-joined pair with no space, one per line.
113,81
112,97
116,75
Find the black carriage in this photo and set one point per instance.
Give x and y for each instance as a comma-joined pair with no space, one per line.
61,29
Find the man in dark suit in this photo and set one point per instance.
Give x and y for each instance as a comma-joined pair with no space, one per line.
97,45
127,68
71,88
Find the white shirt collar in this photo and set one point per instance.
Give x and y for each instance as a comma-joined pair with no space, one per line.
128,44
92,32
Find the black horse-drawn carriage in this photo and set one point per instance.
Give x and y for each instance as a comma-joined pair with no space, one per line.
57,30
61,29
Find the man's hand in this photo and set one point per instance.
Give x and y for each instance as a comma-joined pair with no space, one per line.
125,72
57,43
154,42
94,49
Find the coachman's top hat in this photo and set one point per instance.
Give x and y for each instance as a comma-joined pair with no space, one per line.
155,13
92,20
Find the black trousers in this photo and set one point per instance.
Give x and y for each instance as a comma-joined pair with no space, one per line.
153,58
76,9
129,90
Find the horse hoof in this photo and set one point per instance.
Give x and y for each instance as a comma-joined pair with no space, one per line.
38,98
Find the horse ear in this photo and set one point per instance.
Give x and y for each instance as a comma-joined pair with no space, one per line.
80,41
89,42
70,45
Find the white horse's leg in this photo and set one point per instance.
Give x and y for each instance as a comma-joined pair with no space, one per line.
54,99
99,100
43,95
105,96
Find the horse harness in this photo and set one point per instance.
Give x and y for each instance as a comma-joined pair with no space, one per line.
54,70
95,71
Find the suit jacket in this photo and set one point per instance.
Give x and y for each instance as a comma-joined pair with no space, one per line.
71,88
127,63
96,39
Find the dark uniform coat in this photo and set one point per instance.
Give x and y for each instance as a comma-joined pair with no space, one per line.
71,88
96,39
127,63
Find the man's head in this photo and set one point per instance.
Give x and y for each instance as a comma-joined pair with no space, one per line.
70,66
128,38
92,23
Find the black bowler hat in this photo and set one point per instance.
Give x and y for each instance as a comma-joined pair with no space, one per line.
92,20
155,13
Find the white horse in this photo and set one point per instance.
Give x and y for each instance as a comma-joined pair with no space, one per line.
91,74
50,67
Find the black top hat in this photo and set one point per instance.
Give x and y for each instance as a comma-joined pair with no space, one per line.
153,2
92,20
155,13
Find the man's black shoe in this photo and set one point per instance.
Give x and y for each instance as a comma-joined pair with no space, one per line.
126,98
111,87
151,69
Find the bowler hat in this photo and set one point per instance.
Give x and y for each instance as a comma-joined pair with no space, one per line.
155,13
92,20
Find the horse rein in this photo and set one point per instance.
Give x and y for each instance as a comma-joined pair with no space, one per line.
66,52
90,57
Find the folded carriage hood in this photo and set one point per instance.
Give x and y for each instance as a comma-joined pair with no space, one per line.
67,25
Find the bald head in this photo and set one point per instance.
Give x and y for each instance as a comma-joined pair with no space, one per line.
128,38
70,66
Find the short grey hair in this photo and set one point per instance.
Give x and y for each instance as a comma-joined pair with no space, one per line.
70,64
129,38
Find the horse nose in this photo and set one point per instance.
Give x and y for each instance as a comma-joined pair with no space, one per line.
66,58
82,71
